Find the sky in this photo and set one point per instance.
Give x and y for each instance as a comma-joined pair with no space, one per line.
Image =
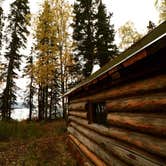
137,11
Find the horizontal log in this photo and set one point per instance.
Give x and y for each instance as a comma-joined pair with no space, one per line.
78,152
78,114
77,106
106,157
149,123
157,83
143,103
92,157
123,152
148,143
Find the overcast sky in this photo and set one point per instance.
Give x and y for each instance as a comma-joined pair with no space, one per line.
138,11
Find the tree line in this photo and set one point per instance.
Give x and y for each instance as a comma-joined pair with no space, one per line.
69,40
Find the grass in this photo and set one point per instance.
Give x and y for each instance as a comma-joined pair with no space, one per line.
34,144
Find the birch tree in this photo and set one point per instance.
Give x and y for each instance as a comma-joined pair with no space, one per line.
161,7
128,35
45,66
62,16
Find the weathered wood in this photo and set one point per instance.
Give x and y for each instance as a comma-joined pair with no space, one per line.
133,90
77,106
149,123
88,153
78,114
96,149
122,151
144,103
115,75
77,152
156,83
149,143
136,58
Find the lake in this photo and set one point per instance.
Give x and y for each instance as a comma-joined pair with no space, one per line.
20,114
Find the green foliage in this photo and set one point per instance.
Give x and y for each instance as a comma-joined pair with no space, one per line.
19,130
17,32
2,68
30,92
105,47
93,36
30,130
1,25
83,35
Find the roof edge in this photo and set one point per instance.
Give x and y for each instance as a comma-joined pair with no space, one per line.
153,36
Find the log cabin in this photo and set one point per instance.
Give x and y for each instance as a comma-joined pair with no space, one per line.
117,116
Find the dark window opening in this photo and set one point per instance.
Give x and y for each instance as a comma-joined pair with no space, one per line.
97,113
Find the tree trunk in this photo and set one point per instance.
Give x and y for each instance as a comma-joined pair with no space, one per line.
6,97
31,100
62,83
50,107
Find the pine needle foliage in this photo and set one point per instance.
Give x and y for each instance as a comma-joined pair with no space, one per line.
17,31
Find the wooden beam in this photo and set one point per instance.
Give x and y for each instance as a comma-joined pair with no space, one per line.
78,154
122,151
144,103
135,58
96,149
88,153
77,106
149,123
146,86
148,143
78,114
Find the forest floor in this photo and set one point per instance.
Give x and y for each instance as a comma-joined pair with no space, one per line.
34,144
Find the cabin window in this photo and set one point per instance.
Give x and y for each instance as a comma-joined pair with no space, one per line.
97,113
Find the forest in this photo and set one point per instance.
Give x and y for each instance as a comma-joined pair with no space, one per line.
68,41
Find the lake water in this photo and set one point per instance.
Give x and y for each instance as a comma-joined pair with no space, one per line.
20,114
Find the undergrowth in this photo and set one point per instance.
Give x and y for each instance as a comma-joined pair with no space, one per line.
34,143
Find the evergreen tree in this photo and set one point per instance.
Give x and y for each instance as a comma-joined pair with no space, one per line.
28,100
17,29
105,48
83,35
151,26
1,28
1,25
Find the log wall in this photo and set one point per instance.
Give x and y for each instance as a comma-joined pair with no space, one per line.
135,132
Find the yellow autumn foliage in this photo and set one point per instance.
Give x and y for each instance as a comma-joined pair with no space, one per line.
54,43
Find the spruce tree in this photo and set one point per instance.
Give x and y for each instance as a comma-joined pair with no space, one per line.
105,47
17,29
28,100
1,25
83,35
1,28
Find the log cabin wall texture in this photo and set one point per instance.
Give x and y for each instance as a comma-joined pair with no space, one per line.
135,104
